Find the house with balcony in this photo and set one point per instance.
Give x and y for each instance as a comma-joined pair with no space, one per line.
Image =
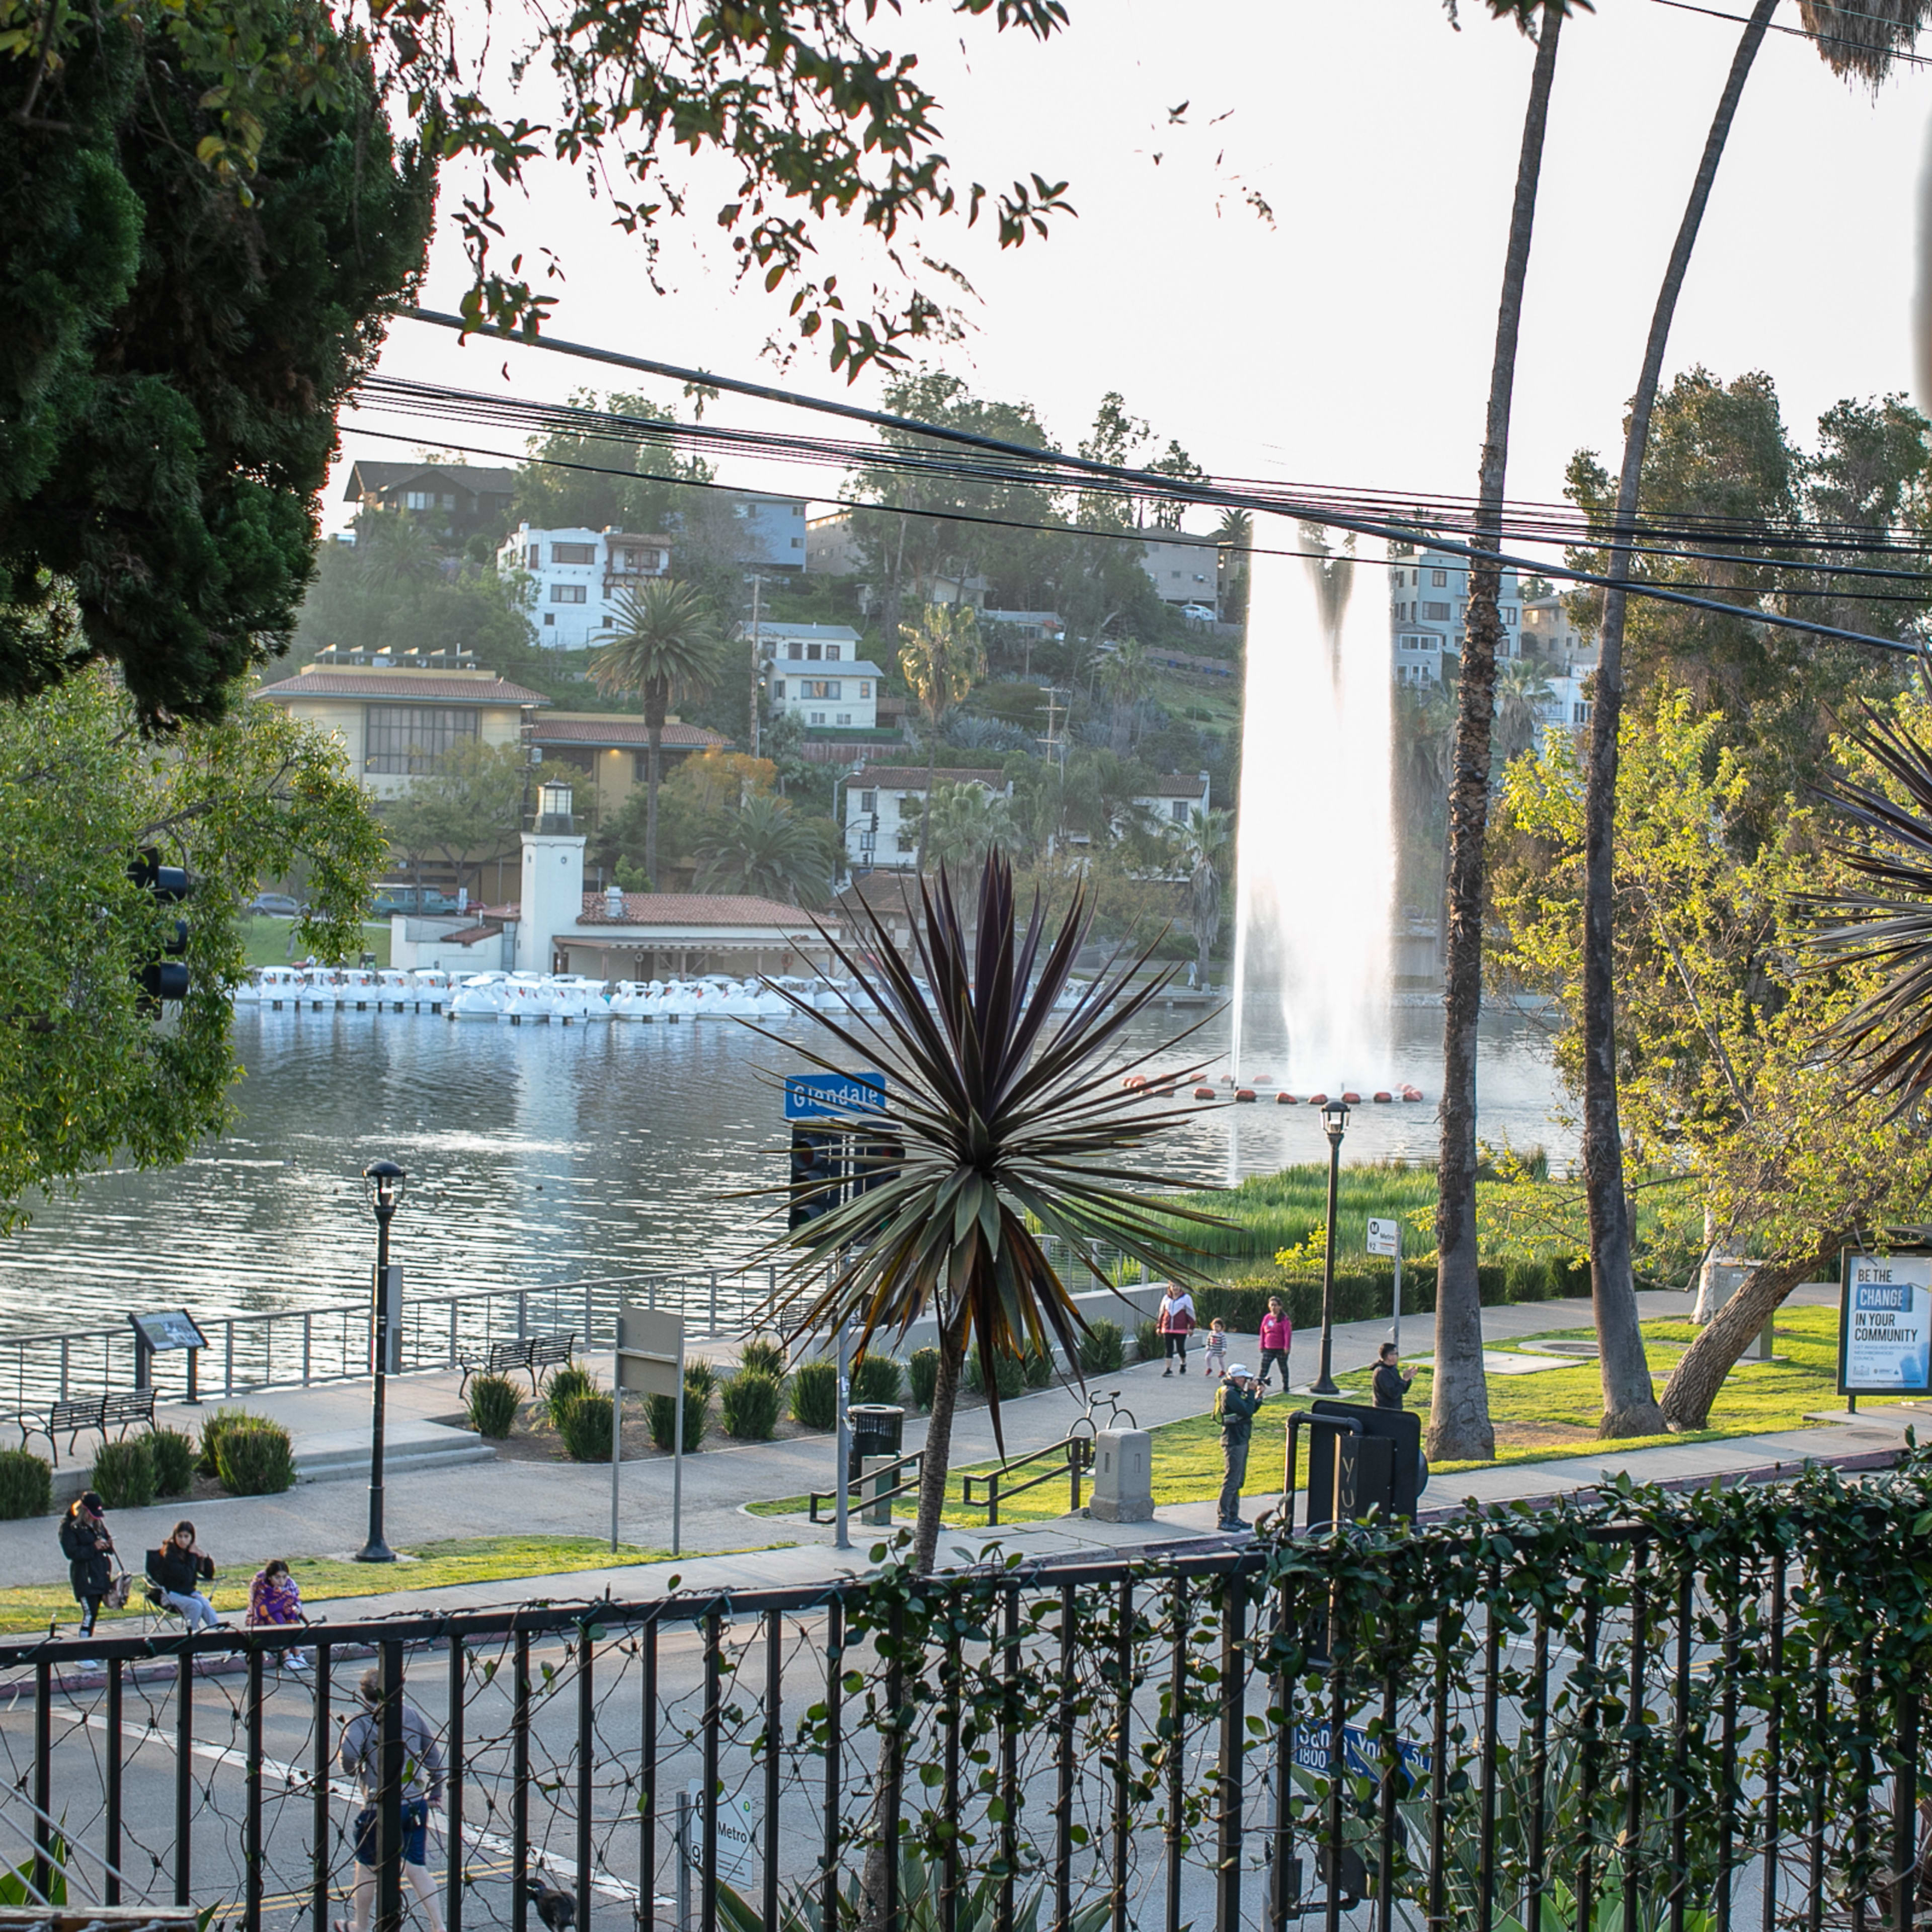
457,500
578,578
823,687
1428,604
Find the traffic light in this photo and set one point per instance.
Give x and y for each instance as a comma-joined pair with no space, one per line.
167,978
815,1177
874,1163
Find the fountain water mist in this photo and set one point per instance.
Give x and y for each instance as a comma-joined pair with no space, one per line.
1314,857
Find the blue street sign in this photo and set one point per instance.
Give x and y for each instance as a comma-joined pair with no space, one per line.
1361,1756
821,1096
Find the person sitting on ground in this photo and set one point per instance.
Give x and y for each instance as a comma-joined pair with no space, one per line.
274,1602
178,1570
89,1551
361,1756
1391,1380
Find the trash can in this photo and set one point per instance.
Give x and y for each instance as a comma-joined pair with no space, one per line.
878,1428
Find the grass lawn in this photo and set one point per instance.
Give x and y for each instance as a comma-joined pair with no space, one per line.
267,941
1541,1418
476,1559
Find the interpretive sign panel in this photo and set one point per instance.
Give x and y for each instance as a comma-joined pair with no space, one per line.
169,1328
1884,1323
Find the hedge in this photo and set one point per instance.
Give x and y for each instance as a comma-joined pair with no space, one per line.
1363,1294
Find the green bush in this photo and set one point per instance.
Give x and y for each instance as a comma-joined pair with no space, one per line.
922,1372
748,1405
1148,1345
255,1459
494,1402
1010,1377
26,1484
700,1375
585,1427
660,1418
1103,1348
174,1456
1037,1366
213,1426
763,1356
815,1394
123,1473
877,1379
563,1387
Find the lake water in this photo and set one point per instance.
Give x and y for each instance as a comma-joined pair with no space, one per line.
545,1153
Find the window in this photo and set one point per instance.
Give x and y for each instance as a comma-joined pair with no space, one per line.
1509,613
531,558
573,552
908,841
412,737
550,617
844,717
865,687
821,687
798,543
831,653
1439,578
567,593
1177,811
813,651
1438,614
449,499
1401,578
778,689
1579,712
818,717
869,801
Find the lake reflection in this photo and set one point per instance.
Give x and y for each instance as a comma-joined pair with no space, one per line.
547,1153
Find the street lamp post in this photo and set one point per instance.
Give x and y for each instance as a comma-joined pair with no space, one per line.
385,1181
1334,1124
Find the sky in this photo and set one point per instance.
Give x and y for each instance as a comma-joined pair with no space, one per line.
1348,340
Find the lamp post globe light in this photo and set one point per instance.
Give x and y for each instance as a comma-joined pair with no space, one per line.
1334,1124
384,1180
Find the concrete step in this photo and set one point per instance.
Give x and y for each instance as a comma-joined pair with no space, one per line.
343,1454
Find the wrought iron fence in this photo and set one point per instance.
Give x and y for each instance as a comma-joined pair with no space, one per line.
1695,1713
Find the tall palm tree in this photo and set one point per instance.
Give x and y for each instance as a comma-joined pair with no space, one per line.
941,659
1458,1419
1203,839
1521,692
763,848
1859,43
968,821
1126,675
666,648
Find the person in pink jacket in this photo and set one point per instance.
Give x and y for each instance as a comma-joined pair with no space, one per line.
1277,1338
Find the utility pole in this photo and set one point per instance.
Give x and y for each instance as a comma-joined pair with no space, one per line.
758,584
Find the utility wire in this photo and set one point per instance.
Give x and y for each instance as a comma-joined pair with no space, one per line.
1805,33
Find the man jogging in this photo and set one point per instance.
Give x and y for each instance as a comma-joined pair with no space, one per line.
1235,1402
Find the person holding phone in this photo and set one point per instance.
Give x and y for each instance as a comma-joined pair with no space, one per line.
1236,1402
178,1570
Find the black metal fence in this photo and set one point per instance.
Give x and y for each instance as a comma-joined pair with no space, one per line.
1695,1714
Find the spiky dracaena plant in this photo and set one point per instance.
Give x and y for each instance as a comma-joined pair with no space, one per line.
1004,1121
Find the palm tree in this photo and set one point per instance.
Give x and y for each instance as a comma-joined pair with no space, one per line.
1521,692
1125,675
1202,840
1008,1127
941,659
666,647
1859,42
1459,1417
763,848
1234,537
968,822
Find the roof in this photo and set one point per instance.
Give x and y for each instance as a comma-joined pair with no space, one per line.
692,909
577,728
365,476
808,667
1177,784
912,777
406,687
470,935
834,634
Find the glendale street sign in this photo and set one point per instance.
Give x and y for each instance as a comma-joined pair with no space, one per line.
823,1096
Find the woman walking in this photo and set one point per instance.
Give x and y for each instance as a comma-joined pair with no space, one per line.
1177,1323
178,1570
89,1551
1277,1338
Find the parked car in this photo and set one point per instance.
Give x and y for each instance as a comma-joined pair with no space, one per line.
390,900
1198,613
273,905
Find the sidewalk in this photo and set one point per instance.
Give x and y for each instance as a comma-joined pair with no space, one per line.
497,1498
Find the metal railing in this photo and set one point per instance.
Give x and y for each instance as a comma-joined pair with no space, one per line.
1696,1720
1076,1455
294,1347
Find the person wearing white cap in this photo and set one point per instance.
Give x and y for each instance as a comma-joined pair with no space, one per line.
1235,1403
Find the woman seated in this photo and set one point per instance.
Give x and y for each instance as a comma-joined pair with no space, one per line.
178,1570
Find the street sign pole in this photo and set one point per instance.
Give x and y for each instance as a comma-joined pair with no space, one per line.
1385,1238
843,1541
649,1361
616,1430
677,1453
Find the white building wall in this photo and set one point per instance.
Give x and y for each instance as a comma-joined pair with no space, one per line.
552,894
578,576
1428,606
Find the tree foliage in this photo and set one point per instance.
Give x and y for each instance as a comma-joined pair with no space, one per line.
469,808
88,1073
766,848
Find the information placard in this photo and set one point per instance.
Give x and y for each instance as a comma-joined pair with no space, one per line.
1884,1323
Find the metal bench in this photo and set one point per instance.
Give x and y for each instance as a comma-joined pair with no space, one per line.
103,1412
532,1354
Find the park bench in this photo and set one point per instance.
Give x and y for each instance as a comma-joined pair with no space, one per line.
103,1412
532,1354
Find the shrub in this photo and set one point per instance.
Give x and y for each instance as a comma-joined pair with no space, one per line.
1103,1348
922,1372
763,1356
123,1473
815,1394
749,1404
584,1424
877,1379
1008,1376
174,1456
216,1425
255,1459
564,1386
26,1484
1036,1367
494,1402
700,1375
1147,1344
660,1419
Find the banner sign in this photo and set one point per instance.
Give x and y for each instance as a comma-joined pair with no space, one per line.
821,1096
1884,1323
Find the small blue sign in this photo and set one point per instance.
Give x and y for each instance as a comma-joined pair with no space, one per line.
1361,1757
824,1096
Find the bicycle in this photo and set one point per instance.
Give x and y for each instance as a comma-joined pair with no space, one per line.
1089,1423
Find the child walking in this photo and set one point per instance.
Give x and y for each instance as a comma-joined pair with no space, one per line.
1214,1362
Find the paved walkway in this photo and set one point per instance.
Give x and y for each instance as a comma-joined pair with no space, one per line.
496,1497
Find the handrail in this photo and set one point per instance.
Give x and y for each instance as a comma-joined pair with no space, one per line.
915,1456
1077,1451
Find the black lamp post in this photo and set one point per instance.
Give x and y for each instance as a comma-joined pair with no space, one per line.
1334,1124
385,1181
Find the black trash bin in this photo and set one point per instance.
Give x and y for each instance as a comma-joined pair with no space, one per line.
878,1428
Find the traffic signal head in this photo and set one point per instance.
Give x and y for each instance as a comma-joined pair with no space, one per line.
815,1177
166,978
